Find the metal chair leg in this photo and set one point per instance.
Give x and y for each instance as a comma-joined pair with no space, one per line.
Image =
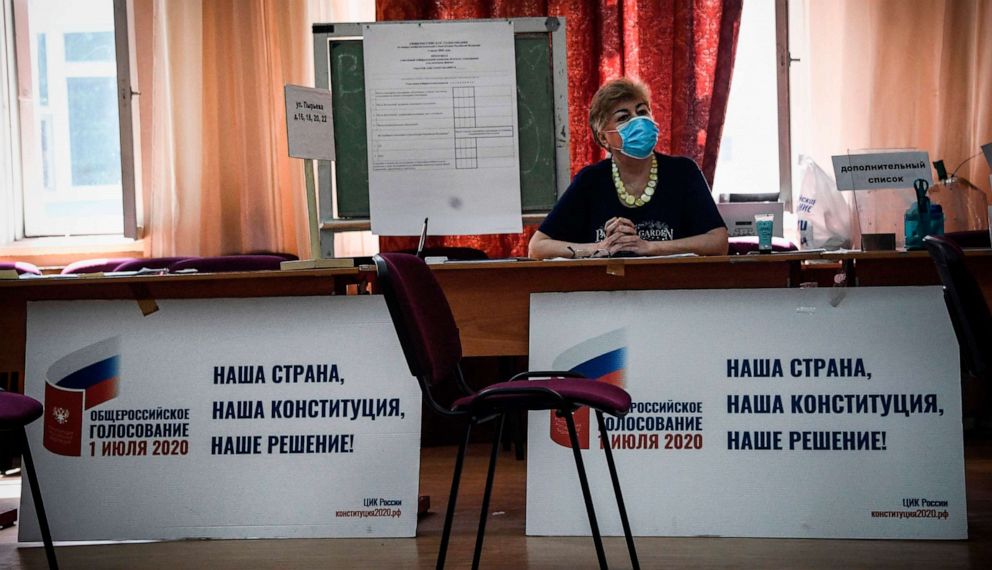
477,555
520,434
586,495
39,506
450,515
616,489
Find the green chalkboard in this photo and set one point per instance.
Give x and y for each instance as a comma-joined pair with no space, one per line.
350,142
539,172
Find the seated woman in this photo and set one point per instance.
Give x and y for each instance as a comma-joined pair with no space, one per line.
637,202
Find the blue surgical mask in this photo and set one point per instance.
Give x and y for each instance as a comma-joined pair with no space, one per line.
639,136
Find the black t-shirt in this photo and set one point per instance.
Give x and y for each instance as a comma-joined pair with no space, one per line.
681,206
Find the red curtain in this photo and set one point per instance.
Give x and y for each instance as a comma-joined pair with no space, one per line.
682,49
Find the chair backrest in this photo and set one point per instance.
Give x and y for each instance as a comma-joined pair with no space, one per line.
149,263
284,255
21,267
228,263
965,303
421,315
100,265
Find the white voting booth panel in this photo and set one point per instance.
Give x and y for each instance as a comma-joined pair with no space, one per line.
222,418
812,413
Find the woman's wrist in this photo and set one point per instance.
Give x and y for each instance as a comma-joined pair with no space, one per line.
657,248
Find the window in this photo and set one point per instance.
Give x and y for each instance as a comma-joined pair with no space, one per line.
749,150
70,117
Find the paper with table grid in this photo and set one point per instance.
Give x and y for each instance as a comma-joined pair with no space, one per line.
442,127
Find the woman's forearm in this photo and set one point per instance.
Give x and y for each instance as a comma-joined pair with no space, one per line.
543,246
713,242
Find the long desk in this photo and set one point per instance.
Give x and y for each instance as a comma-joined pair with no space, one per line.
490,300
889,268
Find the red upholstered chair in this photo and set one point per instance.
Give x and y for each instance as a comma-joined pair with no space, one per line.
965,303
100,265
284,255
972,326
149,263
432,347
21,267
229,263
17,411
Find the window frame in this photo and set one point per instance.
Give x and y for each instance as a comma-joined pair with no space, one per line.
10,160
17,46
783,61
129,121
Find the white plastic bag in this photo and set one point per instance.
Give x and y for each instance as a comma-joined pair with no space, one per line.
821,210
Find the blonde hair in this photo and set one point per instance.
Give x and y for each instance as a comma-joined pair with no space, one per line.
611,93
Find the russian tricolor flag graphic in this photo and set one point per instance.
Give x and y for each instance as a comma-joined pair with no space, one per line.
600,359
78,381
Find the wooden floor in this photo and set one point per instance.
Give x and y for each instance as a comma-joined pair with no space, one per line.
507,547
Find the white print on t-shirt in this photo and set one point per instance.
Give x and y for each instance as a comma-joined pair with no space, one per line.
655,231
652,230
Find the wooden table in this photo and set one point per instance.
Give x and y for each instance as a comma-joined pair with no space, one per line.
891,268
491,300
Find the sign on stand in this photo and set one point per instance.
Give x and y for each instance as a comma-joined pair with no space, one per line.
309,123
872,171
310,136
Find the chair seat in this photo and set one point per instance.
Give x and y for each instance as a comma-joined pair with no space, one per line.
17,410
532,394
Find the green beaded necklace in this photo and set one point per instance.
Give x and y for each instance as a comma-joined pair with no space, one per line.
629,200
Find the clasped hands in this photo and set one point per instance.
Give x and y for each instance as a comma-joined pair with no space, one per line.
621,235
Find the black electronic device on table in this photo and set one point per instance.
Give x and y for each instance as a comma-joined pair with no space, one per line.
624,254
